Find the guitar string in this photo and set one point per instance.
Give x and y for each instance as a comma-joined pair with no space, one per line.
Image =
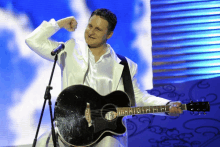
100,111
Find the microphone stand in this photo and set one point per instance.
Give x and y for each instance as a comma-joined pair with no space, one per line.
47,96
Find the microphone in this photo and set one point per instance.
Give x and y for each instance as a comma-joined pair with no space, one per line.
58,49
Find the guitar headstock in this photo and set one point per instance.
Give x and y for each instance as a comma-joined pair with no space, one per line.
198,106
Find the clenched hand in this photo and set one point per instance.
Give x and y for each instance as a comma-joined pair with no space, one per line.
69,23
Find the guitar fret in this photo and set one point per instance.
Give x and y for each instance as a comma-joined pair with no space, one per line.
142,109
138,110
162,109
130,111
147,110
126,112
155,109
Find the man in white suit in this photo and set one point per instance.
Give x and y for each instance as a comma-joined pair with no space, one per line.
92,63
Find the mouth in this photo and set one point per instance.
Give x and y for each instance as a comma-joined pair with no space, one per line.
92,37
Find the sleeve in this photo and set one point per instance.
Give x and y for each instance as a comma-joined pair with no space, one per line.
142,97
39,41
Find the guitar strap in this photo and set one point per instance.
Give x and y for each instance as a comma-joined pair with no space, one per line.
126,77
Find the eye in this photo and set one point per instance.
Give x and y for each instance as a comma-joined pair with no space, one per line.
90,26
98,29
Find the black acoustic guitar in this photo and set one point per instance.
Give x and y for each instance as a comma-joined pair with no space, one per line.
83,117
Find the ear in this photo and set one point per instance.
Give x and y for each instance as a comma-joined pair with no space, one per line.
110,34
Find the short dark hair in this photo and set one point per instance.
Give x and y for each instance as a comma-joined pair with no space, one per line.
107,15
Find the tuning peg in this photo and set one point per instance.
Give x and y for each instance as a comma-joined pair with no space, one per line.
202,113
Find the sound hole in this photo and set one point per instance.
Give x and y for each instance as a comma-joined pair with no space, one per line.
109,112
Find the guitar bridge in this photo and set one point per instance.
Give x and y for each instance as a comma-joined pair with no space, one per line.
88,115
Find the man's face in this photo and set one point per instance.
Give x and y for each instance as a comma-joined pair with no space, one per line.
96,32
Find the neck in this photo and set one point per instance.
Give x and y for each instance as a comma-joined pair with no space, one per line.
98,51
124,111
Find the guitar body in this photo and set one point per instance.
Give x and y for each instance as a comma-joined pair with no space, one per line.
70,114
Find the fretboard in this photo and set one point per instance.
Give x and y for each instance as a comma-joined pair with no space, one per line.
124,111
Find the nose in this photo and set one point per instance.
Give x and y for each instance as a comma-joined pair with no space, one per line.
91,31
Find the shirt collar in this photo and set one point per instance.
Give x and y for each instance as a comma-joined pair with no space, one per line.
108,51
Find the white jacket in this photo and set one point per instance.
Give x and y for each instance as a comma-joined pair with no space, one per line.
73,61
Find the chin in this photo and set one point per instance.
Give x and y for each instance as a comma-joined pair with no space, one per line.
92,45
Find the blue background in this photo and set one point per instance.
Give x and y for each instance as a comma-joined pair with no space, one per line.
18,73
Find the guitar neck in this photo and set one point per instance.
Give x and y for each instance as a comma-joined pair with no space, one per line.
124,111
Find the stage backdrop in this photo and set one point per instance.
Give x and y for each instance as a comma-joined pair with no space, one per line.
25,75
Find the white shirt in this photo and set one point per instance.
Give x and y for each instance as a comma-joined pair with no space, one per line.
100,74
99,77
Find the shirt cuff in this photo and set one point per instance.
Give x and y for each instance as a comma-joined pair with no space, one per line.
168,103
54,23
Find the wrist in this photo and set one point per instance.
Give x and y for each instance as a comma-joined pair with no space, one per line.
60,23
168,103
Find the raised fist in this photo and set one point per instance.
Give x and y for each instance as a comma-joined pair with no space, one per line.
69,23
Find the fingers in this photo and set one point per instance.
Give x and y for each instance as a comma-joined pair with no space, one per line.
175,109
69,23
73,25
